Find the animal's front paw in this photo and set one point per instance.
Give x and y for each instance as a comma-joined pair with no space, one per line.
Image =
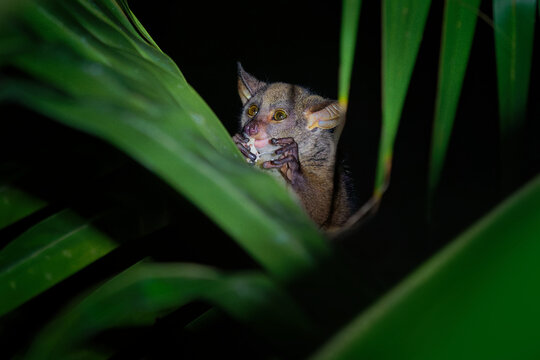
287,162
241,142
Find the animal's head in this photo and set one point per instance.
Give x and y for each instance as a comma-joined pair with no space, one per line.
277,110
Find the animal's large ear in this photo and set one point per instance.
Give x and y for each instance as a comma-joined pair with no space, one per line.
248,85
328,116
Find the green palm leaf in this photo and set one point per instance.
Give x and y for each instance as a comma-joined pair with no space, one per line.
146,291
458,30
477,298
402,28
47,253
15,204
349,29
94,71
514,34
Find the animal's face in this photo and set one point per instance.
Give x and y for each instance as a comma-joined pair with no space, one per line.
279,110
274,111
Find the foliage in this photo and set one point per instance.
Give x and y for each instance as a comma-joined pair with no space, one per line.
92,66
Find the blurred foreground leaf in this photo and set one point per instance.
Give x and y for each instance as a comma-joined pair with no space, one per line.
47,253
91,69
16,204
476,299
145,291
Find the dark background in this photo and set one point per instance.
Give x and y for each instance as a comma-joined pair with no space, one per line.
295,42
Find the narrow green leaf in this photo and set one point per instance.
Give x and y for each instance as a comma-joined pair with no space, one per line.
457,36
144,292
476,299
349,29
137,24
93,71
16,204
402,28
46,254
514,33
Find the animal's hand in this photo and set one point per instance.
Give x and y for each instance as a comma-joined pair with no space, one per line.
241,142
287,162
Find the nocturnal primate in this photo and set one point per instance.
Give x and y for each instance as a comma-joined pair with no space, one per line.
292,132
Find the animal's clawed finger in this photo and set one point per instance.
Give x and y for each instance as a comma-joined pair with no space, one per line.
277,163
241,141
240,138
286,149
282,141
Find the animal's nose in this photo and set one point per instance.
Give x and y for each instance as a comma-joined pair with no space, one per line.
251,128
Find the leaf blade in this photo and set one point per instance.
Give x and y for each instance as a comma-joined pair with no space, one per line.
16,204
183,141
46,254
479,293
402,28
458,31
142,293
514,23
349,29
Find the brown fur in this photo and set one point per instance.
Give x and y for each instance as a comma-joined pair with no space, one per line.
319,183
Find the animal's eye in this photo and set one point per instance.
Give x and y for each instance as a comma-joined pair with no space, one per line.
280,115
252,110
